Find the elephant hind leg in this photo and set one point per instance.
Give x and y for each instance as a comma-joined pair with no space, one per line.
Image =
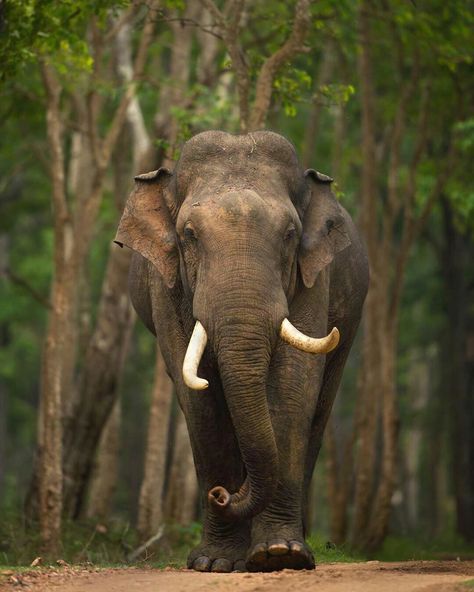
331,381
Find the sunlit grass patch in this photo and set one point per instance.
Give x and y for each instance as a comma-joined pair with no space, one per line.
327,552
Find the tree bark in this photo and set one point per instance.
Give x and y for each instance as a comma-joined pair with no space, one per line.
150,504
293,45
182,492
105,470
458,254
98,381
53,379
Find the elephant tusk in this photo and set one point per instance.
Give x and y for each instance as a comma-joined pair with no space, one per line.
291,335
193,356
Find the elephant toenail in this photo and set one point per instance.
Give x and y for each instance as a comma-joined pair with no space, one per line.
259,551
202,564
279,547
296,547
222,565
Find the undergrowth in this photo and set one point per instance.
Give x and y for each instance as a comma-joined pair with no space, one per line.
110,544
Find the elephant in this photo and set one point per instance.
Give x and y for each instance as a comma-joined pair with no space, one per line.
252,277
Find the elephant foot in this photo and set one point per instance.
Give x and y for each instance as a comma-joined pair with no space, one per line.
217,559
222,549
210,562
278,554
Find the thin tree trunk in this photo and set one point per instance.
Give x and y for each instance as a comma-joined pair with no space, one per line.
311,129
50,482
458,279
100,375
4,341
182,494
105,470
339,478
150,505
418,393
368,404
3,432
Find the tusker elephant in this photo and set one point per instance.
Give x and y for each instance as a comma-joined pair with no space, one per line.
252,277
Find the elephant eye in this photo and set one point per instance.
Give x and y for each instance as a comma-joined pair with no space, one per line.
290,233
189,232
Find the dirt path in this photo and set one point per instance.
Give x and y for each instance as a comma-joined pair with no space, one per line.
422,576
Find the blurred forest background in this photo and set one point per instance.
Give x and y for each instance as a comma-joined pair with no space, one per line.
379,94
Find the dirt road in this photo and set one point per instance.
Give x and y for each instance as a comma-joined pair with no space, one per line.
422,576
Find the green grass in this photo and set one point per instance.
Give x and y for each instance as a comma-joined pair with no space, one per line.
469,584
89,543
326,552
411,549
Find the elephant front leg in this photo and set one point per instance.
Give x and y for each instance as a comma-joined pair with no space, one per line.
277,538
224,545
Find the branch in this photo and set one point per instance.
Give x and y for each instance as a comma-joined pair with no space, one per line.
230,34
393,202
22,283
54,133
138,68
124,19
94,101
293,45
134,115
413,226
155,538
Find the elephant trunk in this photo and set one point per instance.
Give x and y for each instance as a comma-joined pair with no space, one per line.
243,357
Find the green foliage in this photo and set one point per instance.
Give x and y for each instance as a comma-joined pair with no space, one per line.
461,191
34,28
336,94
289,87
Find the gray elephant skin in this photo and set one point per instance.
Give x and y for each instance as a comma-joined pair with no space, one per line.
234,244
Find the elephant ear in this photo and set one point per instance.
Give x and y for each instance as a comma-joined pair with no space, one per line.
324,228
146,225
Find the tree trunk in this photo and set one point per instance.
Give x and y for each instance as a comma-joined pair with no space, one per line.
311,129
150,505
339,478
182,492
57,344
419,387
459,352
98,380
105,470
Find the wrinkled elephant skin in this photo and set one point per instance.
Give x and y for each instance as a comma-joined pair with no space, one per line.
255,258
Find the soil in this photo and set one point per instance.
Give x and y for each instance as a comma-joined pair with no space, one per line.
373,576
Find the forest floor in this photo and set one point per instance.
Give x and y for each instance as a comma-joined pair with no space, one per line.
372,576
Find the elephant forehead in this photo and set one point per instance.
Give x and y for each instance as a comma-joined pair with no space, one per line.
256,145
258,159
238,205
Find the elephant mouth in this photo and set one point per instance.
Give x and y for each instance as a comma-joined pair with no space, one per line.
288,332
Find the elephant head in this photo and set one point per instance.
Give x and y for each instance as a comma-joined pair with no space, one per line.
242,228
